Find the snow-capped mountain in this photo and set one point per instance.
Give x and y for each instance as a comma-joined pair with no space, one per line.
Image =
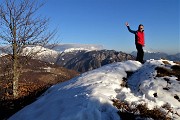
81,58
4,50
41,53
74,47
90,96
158,55
37,52
76,56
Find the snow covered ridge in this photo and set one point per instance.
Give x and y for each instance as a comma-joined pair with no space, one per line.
79,49
37,52
38,49
41,53
50,53
89,96
74,47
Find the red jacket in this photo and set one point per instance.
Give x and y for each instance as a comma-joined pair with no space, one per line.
139,36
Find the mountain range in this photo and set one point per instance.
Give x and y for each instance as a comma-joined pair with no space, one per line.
159,55
78,57
83,61
83,58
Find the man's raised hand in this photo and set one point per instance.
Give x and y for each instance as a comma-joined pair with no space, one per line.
127,24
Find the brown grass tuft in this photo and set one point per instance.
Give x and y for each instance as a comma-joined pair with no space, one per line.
166,62
155,113
176,68
177,62
162,71
126,112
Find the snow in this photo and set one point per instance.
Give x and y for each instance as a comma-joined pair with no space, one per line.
50,53
75,47
89,96
79,49
42,53
3,54
54,50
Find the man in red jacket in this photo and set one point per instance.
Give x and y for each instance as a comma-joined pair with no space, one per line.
139,41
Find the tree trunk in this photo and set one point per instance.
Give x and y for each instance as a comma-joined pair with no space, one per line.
15,71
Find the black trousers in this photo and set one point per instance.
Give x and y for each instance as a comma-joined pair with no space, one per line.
140,52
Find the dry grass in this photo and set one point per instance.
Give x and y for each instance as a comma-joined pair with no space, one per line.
166,62
155,113
33,81
176,68
9,106
177,62
140,111
162,71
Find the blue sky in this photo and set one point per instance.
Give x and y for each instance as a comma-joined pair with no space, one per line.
103,22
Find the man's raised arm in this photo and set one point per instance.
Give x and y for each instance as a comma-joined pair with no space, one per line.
132,31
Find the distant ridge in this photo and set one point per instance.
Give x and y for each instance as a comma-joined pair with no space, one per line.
72,47
158,55
83,61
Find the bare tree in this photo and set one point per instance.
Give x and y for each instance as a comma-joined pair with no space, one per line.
20,27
